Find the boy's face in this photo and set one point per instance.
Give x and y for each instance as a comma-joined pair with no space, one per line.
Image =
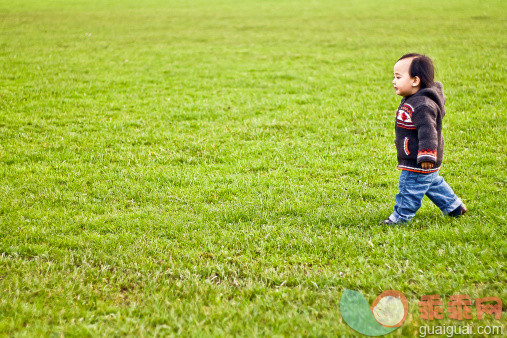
404,84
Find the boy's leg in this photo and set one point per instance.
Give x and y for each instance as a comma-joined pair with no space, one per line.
443,196
412,189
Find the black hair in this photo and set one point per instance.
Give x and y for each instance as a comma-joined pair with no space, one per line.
421,66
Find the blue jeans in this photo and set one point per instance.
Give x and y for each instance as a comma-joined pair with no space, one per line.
412,188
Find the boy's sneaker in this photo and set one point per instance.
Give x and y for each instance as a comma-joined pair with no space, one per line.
387,222
459,211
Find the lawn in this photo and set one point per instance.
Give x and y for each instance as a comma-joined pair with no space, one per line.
210,168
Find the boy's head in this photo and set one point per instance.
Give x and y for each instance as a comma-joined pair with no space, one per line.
413,72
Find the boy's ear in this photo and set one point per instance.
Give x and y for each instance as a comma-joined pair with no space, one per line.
416,81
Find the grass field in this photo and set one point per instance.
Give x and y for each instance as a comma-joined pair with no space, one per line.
220,167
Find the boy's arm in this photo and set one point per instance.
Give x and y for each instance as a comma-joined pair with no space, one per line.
425,121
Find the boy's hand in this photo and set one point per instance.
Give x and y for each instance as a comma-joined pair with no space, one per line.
426,165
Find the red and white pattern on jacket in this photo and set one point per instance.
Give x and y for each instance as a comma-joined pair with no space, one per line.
425,154
404,117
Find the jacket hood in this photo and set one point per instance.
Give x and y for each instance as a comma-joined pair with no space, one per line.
436,94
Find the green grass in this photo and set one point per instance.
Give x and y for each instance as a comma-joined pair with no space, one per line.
220,168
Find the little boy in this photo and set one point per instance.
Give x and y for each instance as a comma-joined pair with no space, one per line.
419,141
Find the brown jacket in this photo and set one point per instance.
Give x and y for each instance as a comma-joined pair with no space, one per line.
419,129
